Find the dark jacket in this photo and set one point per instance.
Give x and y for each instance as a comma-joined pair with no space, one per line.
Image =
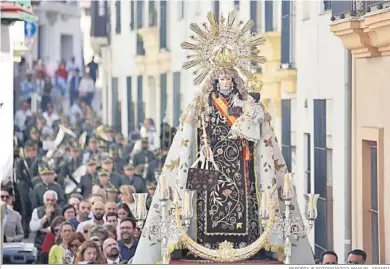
40,236
136,181
86,183
39,190
142,157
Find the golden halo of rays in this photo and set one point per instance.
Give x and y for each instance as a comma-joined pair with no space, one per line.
224,44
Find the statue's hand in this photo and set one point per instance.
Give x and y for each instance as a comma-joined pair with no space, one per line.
267,117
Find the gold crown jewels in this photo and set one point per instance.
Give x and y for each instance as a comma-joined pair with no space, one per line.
227,44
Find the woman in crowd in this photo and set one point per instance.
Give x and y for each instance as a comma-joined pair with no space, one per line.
126,195
69,213
112,231
75,241
57,252
123,212
89,252
50,237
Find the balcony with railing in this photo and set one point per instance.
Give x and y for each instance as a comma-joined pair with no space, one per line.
356,8
363,26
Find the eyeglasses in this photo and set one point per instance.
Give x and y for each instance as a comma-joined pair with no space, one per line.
74,245
4,196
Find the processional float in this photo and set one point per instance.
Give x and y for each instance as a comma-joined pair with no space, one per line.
237,46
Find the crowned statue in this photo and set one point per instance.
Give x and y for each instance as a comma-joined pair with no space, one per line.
224,166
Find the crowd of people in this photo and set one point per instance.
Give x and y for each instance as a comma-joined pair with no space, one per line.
76,218
60,84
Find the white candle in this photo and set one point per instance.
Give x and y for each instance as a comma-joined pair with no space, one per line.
264,200
163,187
141,206
187,200
287,184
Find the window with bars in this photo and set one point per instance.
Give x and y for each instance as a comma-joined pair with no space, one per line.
308,163
374,201
286,131
118,17
132,14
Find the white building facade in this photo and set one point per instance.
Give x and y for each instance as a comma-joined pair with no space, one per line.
59,35
320,125
143,61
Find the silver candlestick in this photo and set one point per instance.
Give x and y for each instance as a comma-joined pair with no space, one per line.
289,227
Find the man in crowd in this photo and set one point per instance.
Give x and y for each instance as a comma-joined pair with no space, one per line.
93,69
145,155
42,217
356,256
108,166
329,257
22,115
130,178
98,214
127,244
74,85
47,176
112,218
12,221
84,211
112,252
24,174
86,180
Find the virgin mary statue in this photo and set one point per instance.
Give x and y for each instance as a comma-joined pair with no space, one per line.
225,149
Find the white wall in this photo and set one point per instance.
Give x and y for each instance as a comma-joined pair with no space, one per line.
63,24
320,65
6,97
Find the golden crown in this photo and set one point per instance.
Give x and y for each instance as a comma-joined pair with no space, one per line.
225,58
223,44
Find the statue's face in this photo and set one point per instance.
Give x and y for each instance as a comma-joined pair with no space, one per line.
225,82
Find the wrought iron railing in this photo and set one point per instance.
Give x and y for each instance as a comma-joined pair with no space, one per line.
356,8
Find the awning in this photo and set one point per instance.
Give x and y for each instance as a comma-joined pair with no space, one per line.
17,10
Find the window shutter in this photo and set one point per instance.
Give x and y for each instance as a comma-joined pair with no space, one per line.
216,10
130,105
176,98
140,100
118,17
163,87
132,14
163,24
320,175
116,106
286,132
286,32
140,14
269,15
253,12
